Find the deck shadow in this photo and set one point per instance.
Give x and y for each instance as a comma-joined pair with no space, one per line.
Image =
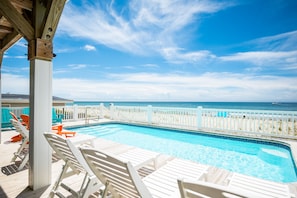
2,193
28,192
13,168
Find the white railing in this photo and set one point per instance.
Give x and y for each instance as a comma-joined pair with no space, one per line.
73,113
271,123
259,122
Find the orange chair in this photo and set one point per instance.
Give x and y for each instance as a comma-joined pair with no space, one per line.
59,130
16,138
26,120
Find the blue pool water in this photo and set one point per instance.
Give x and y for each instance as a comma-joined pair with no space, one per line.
263,160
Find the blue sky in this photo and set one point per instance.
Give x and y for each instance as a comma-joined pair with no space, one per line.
169,50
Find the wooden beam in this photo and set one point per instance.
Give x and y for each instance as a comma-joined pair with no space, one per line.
39,16
16,19
10,40
53,16
5,29
25,4
1,58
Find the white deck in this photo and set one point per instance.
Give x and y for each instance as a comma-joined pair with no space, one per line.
14,183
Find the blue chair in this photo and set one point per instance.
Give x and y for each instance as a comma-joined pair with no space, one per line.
5,121
26,111
56,118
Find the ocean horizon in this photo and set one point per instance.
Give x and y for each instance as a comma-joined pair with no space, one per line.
279,106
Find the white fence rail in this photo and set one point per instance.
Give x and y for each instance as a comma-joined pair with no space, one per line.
259,122
72,113
268,123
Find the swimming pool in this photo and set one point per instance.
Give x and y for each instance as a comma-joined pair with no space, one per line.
261,159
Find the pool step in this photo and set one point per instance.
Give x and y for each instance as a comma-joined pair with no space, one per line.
108,131
101,131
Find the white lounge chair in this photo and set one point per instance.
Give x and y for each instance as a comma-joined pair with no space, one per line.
260,187
201,189
240,186
23,151
122,180
67,151
74,164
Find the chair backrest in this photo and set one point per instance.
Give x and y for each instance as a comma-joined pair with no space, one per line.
26,120
14,116
55,117
119,177
200,189
5,118
68,152
20,128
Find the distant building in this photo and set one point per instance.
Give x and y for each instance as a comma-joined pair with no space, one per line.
22,100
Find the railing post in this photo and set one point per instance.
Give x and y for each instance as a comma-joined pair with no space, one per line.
75,112
149,114
86,115
101,106
199,117
111,108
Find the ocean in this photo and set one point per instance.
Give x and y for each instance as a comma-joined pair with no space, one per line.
283,106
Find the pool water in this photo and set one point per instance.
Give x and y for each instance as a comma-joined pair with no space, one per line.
269,161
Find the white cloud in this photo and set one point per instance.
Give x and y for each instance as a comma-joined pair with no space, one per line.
22,43
166,87
15,84
141,27
278,51
13,57
264,58
280,42
77,66
89,48
206,87
175,55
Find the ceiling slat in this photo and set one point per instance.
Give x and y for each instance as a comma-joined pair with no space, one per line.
16,19
9,40
5,29
25,4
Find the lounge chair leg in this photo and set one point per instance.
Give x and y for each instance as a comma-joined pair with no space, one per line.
51,195
83,186
18,153
61,176
105,190
14,157
24,162
92,186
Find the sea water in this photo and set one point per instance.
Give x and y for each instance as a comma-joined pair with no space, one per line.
268,161
217,105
